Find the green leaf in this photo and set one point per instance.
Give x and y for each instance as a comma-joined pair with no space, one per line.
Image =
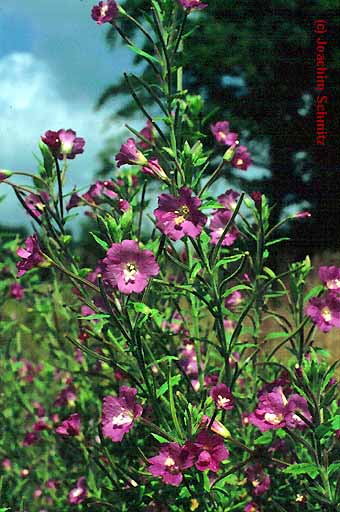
333,467
99,241
160,439
302,469
266,438
142,53
175,380
47,158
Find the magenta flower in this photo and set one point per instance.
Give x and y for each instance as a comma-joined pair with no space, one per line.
6,464
270,412
251,507
233,300
222,397
325,311
302,215
31,255
36,204
119,413
217,427
153,168
258,479
66,396
104,12
30,438
148,133
222,134
99,189
180,216
79,493
16,291
217,225
64,143
130,154
170,463
70,426
190,5
208,450
40,425
241,159
275,411
330,276
297,404
128,267
75,200
229,199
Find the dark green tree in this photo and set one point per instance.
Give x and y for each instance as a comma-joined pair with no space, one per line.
254,63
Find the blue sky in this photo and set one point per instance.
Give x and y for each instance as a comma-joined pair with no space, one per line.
54,63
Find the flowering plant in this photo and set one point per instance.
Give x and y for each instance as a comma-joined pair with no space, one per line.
159,387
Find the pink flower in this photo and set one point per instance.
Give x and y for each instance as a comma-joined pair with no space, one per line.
79,493
6,464
153,168
147,133
325,311
31,255
251,507
180,216
16,291
220,131
170,463
70,426
119,413
302,215
275,411
130,154
258,479
208,450
192,4
330,276
100,188
66,396
217,427
104,12
241,159
40,425
233,300
64,143
36,204
222,397
217,225
30,438
128,267
229,199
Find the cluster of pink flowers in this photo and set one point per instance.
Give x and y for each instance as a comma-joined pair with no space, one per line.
31,256
206,452
99,192
129,154
240,158
325,310
275,410
63,143
221,217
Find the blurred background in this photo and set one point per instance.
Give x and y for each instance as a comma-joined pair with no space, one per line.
253,62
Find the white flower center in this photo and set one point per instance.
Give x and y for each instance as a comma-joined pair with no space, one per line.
273,419
123,418
326,314
103,10
333,284
222,401
66,147
239,161
130,271
77,492
255,483
169,462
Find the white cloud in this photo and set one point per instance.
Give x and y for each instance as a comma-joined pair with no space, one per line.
30,104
